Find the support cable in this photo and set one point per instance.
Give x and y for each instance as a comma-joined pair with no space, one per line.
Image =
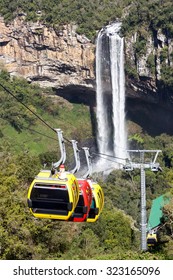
35,131
50,127
101,154
8,91
36,115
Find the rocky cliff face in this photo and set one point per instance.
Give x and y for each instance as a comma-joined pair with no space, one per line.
64,60
148,65
53,58
148,103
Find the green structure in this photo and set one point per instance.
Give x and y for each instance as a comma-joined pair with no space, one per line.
156,211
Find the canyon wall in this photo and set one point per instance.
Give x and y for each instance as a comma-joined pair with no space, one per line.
64,60
50,57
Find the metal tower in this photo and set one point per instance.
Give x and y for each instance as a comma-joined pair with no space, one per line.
142,164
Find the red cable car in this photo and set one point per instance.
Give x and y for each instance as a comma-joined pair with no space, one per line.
82,209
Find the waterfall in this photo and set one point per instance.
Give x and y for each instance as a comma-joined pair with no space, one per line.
110,81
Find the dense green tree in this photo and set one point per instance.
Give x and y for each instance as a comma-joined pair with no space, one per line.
115,235
87,14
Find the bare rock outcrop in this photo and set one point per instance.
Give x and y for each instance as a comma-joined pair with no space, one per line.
50,57
64,60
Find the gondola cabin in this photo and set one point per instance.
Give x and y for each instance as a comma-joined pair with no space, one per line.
53,196
84,203
152,239
97,202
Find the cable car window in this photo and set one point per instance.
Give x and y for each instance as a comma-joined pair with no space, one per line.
151,241
93,210
80,201
48,193
79,210
93,203
46,199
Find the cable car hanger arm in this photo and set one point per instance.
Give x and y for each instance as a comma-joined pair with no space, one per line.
76,156
62,149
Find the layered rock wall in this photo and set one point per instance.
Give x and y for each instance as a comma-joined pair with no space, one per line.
53,58
148,66
62,59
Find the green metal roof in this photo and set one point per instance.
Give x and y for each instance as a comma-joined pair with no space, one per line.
156,211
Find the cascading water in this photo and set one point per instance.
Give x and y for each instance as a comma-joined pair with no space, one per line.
110,80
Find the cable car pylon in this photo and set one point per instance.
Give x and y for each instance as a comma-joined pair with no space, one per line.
142,165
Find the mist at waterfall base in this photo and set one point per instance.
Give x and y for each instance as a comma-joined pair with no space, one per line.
110,98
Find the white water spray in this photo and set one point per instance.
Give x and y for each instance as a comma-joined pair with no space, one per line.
110,80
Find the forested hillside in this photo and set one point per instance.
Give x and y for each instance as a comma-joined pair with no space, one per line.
90,15
87,14
116,234
26,144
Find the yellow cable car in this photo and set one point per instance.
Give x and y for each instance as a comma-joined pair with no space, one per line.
152,239
97,202
53,196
